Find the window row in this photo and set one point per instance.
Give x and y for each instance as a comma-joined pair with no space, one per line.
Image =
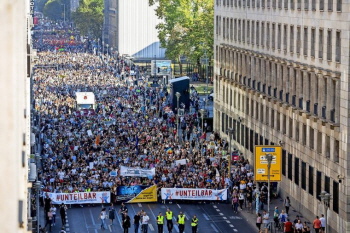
293,170
306,5
308,41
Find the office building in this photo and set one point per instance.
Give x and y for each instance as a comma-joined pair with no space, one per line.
282,78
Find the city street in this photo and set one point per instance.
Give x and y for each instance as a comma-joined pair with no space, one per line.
216,218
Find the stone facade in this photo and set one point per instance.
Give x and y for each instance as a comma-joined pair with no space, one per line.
281,77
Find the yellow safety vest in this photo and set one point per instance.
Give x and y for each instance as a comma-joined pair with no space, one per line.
181,219
169,215
160,219
194,222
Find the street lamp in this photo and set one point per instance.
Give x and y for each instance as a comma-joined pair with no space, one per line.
107,50
230,131
269,158
103,47
38,188
178,110
64,12
325,198
202,111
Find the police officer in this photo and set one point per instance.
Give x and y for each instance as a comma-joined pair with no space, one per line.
181,221
169,220
160,222
194,224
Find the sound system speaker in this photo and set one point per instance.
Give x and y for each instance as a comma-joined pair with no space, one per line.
181,85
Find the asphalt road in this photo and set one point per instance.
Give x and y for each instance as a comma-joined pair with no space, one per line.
213,218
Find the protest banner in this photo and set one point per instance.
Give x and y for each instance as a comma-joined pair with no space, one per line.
80,198
147,195
193,194
139,172
181,162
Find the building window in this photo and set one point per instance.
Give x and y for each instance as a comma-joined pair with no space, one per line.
263,4
336,151
235,34
272,118
243,31
273,36
280,4
278,121
305,40
292,4
311,137
290,125
320,43
268,35
296,171
239,30
291,39
257,32
327,184
274,4
335,196
318,184
306,5
268,4
319,142
298,40
285,37
338,47
329,45
253,3
330,5
279,36
303,175
313,5
299,4
339,5
286,4
321,5
253,31
313,36
267,118
248,32
311,180
297,125
217,25
290,166
284,124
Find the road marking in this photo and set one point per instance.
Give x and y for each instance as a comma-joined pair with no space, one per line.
150,227
235,217
231,225
140,205
215,229
228,221
235,230
186,216
109,226
224,217
205,216
221,213
175,225
218,210
178,206
215,206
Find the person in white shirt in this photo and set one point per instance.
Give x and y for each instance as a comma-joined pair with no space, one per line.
299,226
53,210
323,223
144,223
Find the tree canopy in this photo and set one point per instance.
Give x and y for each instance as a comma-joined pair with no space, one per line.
187,27
89,17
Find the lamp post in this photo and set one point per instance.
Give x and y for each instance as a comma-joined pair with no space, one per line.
325,198
103,47
64,12
98,46
107,50
202,116
269,158
177,115
230,131
38,188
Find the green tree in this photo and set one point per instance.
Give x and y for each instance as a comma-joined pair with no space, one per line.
187,28
40,4
89,17
56,9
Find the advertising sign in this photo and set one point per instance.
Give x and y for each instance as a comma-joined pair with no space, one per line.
147,195
193,194
260,164
80,197
139,172
160,67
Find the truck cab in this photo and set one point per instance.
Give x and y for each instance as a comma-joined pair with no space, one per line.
85,100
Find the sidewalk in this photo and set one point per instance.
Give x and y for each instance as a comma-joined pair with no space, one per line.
251,217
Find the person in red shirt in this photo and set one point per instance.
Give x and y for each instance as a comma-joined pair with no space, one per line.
288,227
317,224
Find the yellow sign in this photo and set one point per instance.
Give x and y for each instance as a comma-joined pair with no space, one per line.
260,164
146,195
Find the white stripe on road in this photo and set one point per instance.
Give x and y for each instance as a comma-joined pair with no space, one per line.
215,229
224,217
206,217
150,226
228,221
186,216
231,225
221,213
140,205
215,206
175,225
179,206
109,226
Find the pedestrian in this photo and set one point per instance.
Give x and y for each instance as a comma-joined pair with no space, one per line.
169,220
111,214
265,221
137,219
62,230
276,214
160,222
63,209
102,218
323,223
49,220
282,218
241,198
298,226
258,221
317,224
144,222
288,226
181,222
194,224
53,210
123,209
235,204
287,204
126,223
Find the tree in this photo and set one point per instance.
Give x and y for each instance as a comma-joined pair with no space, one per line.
40,4
56,9
89,17
187,28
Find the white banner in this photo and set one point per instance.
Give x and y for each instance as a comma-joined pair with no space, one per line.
80,198
193,194
181,162
139,172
